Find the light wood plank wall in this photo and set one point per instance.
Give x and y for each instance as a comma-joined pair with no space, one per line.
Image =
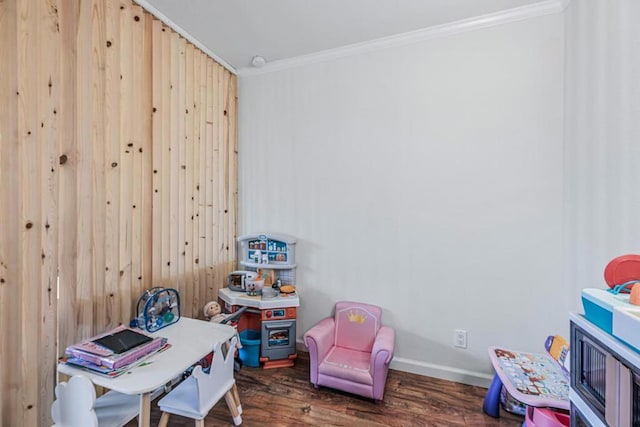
118,172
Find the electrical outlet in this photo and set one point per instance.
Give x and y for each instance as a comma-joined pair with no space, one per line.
460,338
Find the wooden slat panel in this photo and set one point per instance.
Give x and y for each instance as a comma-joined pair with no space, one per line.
204,143
49,101
127,124
205,184
188,168
200,153
232,172
112,165
84,117
195,176
67,224
135,148
147,154
220,179
181,194
98,137
199,77
214,179
157,153
10,243
166,112
30,208
212,153
195,188
224,177
226,245
174,246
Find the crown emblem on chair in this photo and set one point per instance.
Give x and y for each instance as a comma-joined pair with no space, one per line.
357,317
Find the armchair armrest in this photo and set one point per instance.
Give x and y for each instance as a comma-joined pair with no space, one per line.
383,348
381,356
319,340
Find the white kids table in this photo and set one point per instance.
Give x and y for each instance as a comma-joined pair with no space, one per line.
190,340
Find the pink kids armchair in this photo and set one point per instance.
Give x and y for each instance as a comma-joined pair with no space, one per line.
351,351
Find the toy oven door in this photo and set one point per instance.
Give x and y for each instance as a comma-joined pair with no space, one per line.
278,338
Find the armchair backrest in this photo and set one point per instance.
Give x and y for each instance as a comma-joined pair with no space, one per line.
356,325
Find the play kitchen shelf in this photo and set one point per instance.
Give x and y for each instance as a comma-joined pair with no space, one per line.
275,250
272,255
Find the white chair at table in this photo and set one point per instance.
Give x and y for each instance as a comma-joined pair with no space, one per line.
76,405
195,396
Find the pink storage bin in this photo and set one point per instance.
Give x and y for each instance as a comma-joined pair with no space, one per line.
545,417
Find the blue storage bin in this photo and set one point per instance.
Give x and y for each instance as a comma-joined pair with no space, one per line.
598,306
250,351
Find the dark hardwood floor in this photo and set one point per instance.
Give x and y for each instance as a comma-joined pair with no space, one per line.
285,397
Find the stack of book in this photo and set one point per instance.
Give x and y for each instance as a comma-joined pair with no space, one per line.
114,352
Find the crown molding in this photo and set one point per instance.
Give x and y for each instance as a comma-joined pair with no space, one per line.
545,7
178,29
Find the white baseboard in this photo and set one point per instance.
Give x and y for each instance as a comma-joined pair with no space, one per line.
431,370
448,373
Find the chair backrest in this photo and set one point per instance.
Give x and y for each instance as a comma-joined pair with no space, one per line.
74,403
356,325
220,377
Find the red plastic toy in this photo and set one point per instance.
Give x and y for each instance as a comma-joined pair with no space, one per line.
621,270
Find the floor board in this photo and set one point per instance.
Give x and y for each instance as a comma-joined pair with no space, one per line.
284,397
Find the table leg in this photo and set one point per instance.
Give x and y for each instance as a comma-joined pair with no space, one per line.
144,416
491,404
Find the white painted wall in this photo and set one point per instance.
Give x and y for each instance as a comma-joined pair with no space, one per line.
602,137
425,178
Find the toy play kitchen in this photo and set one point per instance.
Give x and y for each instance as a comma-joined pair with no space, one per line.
266,285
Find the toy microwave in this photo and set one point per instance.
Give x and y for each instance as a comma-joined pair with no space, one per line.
237,280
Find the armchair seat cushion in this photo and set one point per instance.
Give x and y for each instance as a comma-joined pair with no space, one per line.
350,365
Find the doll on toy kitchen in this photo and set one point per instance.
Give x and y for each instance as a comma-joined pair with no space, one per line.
213,313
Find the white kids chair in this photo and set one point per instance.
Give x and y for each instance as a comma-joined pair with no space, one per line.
195,396
76,405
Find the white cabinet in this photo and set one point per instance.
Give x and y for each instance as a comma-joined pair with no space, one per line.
605,378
